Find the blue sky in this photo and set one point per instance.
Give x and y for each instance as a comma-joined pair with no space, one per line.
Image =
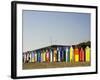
42,28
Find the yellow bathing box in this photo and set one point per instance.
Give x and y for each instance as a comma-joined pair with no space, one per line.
76,54
87,54
71,54
44,55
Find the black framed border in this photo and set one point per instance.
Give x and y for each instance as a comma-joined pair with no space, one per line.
14,38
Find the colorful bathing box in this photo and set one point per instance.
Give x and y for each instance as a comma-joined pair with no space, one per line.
58,53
